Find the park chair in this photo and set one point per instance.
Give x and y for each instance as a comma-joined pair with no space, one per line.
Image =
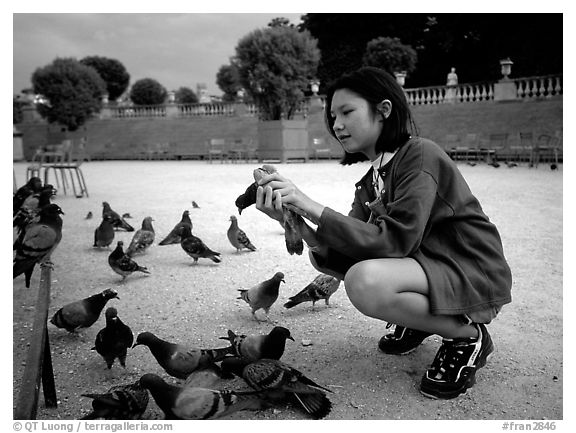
217,150
546,149
522,152
68,167
320,148
498,144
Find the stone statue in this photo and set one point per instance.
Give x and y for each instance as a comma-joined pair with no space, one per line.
452,78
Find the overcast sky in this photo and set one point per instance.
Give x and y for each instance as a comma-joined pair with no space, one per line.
175,49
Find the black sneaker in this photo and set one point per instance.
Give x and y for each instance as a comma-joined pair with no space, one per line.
402,341
454,368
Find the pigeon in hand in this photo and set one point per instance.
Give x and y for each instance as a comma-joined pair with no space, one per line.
262,295
195,247
82,313
198,403
174,236
237,237
117,221
179,360
120,402
142,239
253,347
291,221
104,233
33,186
123,264
322,287
114,340
279,381
39,241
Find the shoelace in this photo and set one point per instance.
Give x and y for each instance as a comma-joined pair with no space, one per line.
449,354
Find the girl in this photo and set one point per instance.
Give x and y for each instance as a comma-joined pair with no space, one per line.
416,249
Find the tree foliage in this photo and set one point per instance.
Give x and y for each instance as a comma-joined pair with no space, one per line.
185,95
148,91
391,55
112,72
275,66
73,91
472,43
228,80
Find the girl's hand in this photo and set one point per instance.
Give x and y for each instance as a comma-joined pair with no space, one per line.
278,191
269,202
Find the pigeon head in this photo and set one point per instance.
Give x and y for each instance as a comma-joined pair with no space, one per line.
105,205
279,332
147,223
233,218
35,183
279,276
233,365
144,339
111,313
51,209
110,294
150,380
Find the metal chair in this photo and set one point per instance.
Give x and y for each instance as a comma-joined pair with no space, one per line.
68,167
321,148
546,150
217,150
498,143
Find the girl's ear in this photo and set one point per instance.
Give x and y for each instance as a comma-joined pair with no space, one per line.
384,108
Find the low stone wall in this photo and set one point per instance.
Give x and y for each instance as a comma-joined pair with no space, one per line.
188,137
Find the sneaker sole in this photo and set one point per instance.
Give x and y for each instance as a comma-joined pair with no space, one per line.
439,395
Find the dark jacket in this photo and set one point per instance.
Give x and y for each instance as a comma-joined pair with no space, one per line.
426,212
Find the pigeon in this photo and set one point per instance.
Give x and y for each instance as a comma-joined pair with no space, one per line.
30,209
104,233
511,164
495,164
119,402
195,247
195,205
322,287
122,264
207,377
142,239
83,313
280,381
198,403
33,186
253,347
114,340
88,215
262,295
179,360
292,221
126,215
553,166
117,221
39,241
174,235
471,164
237,237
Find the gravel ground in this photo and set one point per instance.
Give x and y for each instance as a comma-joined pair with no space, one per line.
197,304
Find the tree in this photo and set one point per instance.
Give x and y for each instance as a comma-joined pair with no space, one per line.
73,92
185,95
228,80
112,72
275,66
148,91
391,55
472,43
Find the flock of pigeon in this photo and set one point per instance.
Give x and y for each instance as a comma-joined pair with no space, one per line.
203,394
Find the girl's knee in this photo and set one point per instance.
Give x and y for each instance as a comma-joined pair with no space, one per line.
365,288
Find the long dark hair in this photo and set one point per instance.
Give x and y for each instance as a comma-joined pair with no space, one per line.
375,85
